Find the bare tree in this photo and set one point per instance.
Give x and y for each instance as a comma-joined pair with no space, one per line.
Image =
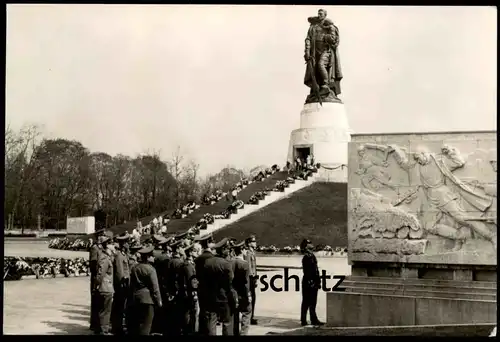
176,170
20,150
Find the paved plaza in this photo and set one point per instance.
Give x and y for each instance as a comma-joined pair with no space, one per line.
60,306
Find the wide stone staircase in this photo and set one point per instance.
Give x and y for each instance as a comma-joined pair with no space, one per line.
177,226
251,208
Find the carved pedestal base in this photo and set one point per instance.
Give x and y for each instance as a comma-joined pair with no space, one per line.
325,133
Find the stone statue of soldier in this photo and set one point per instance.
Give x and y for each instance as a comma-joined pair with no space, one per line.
323,71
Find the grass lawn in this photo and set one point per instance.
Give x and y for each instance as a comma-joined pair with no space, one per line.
317,212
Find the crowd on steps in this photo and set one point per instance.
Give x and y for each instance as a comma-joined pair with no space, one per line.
159,224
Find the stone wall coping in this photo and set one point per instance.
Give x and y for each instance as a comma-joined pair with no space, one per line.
412,297
427,132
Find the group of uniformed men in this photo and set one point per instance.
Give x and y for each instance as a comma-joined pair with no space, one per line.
172,286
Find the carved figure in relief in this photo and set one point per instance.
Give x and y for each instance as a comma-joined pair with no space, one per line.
380,227
443,192
370,169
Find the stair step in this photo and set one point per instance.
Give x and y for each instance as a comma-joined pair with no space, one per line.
423,293
389,280
421,287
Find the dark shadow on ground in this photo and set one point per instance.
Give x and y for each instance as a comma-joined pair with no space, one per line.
87,307
85,313
438,331
281,323
69,328
79,318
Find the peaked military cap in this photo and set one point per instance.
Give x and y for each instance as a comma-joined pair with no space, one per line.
105,238
123,237
99,232
182,235
165,240
304,243
249,239
158,238
146,250
135,247
175,245
204,238
239,245
222,243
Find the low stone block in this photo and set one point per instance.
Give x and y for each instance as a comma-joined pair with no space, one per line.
354,309
358,310
454,311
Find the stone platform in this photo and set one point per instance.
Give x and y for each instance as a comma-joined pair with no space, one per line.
398,301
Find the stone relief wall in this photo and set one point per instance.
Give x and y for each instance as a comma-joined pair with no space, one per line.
423,201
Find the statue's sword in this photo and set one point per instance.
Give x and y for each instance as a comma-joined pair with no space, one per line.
314,84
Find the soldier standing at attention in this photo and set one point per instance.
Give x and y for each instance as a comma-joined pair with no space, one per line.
133,258
176,291
121,284
95,251
192,287
221,300
161,257
310,284
241,284
104,286
145,293
251,243
206,243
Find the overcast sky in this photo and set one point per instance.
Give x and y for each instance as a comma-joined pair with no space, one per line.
226,82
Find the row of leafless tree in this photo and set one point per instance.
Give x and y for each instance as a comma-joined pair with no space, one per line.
47,180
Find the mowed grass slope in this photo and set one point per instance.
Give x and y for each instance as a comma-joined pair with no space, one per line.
317,212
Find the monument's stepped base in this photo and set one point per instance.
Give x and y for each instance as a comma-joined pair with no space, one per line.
352,309
436,272
397,297
422,287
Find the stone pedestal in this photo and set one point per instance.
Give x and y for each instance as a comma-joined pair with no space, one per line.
324,130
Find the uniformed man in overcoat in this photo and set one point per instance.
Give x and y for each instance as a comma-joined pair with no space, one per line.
250,257
176,283
183,238
104,286
160,264
145,293
221,298
311,283
121,282
241,284
206,243
190,326
133,259
95,251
